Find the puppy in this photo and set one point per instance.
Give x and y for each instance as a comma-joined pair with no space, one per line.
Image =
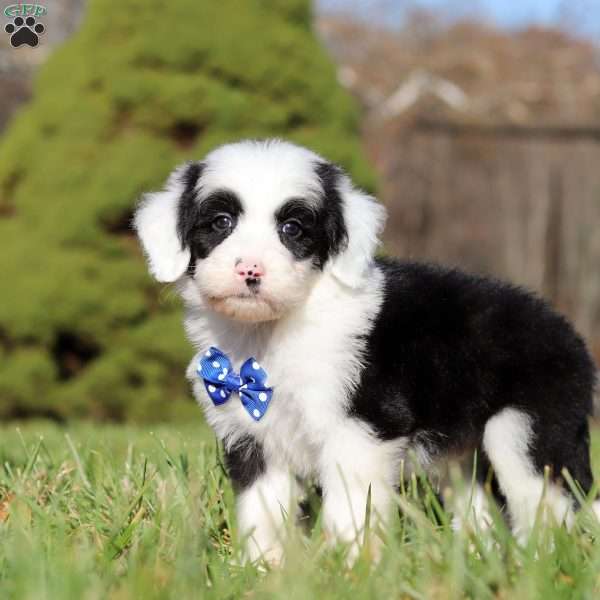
318,360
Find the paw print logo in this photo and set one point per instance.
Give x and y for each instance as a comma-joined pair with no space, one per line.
24,31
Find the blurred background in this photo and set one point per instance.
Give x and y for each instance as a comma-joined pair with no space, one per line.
476,122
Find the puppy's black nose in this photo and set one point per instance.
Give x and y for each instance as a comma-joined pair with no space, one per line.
253,283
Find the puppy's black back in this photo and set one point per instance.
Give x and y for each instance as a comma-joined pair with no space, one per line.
448,350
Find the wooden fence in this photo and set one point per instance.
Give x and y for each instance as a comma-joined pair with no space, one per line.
519,202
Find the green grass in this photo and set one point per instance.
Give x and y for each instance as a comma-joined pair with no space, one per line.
108,512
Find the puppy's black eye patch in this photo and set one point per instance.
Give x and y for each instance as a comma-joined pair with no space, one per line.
315,231
210,221
297,224
217,218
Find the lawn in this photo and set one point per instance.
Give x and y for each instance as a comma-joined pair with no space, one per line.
110,512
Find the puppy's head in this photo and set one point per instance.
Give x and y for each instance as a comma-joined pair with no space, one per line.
254,224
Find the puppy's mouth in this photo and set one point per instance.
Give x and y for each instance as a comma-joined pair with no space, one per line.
250,306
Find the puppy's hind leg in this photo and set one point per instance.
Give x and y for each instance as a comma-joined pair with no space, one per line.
470,509
519,453
470,505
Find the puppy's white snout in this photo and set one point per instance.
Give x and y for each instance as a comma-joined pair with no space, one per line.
249,268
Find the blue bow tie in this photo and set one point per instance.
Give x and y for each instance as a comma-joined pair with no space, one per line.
220,381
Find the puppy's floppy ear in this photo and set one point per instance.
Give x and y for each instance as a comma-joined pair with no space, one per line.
161,218
363,219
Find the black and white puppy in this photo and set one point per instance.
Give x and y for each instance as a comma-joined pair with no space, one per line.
272,249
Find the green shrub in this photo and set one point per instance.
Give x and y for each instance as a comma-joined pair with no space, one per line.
143,86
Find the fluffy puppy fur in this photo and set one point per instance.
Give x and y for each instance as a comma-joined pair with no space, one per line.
371,360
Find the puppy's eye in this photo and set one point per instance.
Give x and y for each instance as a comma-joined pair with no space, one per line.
292,229
222,223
